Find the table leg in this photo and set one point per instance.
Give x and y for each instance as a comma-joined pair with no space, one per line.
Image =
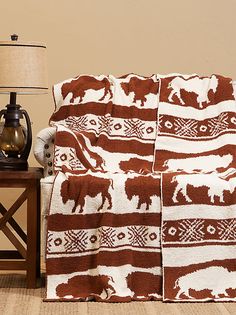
33,235
38,232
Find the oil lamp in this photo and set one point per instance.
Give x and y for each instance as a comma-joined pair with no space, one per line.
22,71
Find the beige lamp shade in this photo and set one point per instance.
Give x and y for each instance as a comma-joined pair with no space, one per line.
23,67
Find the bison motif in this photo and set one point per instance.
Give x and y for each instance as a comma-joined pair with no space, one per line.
141,88
216,185
200,86
144,187
80,85
83,286
136,165
78,187
215,279
144,283
199,163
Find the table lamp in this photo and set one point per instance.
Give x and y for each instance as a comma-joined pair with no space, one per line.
22,71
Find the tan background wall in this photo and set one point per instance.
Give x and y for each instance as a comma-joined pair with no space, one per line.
120,36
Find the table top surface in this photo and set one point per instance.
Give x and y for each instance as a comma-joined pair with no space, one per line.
31,173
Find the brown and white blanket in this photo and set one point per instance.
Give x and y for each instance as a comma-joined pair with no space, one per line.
144,201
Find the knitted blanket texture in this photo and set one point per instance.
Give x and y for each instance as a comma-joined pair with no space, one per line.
143,205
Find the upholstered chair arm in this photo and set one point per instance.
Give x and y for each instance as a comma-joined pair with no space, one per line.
44,149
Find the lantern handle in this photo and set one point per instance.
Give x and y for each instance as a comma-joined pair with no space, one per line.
26,151
2,112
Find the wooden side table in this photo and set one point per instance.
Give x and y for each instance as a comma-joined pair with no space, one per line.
27,253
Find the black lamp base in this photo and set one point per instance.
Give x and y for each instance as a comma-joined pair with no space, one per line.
12,116
13,164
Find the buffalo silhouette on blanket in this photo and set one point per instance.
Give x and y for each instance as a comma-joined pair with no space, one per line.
144,283
136,165
83,286
141,88
144,187
80,85
204,279
78,187
199,86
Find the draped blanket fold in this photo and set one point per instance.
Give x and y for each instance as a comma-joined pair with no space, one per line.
143,205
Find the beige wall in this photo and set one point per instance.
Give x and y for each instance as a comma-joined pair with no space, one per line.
121,36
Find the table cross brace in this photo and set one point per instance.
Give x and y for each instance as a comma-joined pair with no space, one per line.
7,218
